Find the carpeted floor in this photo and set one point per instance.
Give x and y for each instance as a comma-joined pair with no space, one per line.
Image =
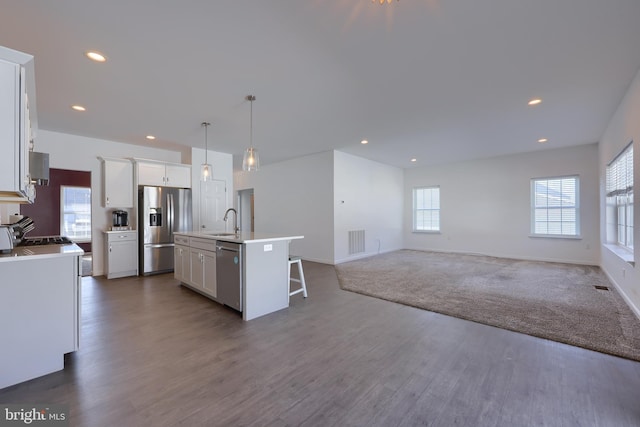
549,300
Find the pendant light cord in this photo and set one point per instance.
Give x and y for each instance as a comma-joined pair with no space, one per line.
206,140
250,98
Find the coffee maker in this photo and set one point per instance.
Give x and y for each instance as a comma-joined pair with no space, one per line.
120,219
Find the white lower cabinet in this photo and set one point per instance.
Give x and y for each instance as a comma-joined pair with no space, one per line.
182,263
121,254
195,264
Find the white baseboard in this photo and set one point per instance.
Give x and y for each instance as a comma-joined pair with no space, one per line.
625,297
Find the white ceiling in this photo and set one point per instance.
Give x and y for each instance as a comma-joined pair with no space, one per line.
438,80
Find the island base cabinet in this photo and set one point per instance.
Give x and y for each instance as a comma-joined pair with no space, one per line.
195,264
40,314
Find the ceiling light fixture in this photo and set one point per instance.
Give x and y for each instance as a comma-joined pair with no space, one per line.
364,141
150,137
414,160
78,108
542,140
250,161
206,170
382,1
535,101
96,56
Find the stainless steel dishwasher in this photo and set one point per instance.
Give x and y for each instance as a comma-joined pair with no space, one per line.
229,274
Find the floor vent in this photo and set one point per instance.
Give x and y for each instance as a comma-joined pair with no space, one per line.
356,242
601,288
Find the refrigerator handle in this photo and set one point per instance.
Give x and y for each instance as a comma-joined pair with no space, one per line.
171,213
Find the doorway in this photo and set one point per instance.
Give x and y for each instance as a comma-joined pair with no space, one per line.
246,210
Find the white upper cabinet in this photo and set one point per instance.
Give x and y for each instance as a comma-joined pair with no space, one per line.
17,125
161,174
117,181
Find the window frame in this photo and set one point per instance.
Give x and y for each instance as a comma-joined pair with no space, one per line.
415,209
534,207
84,238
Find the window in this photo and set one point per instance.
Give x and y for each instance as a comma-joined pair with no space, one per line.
555,206
75,215
426,209
620,198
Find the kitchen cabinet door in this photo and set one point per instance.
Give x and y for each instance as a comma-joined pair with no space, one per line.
203,271
117,179
178,176
209,283
181,264
15,130
150,173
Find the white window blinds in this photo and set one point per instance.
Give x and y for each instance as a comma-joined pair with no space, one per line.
620,196
426,209
555,207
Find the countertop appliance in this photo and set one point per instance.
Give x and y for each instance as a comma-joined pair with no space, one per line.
162,211
120,218
229,258
6,239
12,235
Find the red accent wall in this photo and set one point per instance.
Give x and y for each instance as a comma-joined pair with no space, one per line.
45,211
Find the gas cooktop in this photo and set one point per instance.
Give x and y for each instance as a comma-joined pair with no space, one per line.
51,240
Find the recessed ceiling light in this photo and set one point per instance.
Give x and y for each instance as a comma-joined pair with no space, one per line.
364,141
78,108
414,160
542,140
151,137
535,101
96,56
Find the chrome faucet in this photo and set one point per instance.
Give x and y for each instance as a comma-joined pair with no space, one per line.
236,229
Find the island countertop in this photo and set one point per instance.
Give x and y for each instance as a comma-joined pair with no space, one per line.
242,237
43,251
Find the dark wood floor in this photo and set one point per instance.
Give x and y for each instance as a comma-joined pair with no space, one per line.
156,354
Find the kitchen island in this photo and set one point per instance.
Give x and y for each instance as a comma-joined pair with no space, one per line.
39,310
247,271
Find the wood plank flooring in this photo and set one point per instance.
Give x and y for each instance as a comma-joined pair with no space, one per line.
156,354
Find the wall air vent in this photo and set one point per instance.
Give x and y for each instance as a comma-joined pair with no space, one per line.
356,242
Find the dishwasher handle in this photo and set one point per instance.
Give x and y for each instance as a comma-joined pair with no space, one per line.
224,248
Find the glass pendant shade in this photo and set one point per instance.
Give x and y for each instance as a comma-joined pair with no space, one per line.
250,161
206,172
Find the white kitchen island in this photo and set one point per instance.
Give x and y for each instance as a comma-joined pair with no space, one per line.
39,310
263,265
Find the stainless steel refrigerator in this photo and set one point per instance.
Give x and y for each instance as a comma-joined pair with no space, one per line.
162,211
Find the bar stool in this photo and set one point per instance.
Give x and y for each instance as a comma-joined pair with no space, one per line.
293,259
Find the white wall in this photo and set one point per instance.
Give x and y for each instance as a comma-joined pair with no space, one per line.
367,196
295,197
81,153
485,206
623,128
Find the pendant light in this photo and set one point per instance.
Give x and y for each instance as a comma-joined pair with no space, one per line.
250,161
206,170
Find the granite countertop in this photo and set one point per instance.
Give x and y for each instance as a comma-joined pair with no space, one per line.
44,251
242,237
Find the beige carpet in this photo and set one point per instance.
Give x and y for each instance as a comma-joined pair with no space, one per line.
549,300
